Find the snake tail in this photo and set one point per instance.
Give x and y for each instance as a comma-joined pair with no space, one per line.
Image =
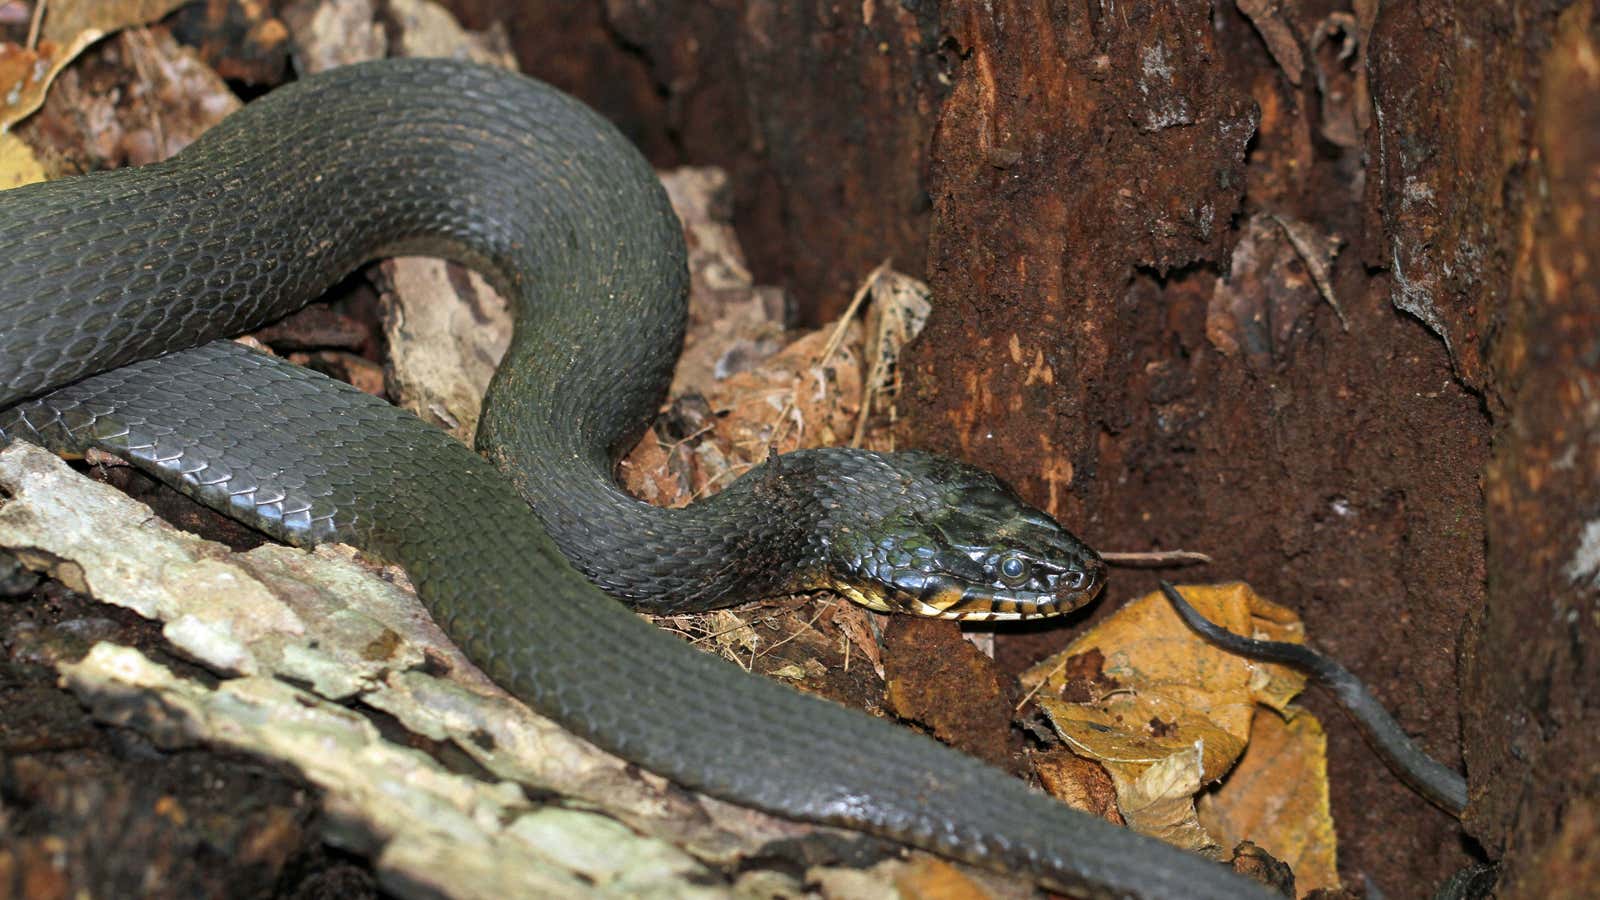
1441,785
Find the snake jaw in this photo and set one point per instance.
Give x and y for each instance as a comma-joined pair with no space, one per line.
871,596
952,600
944,597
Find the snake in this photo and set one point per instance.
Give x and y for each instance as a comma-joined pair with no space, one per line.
119,289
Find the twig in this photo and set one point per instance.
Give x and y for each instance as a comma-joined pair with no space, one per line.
1060,667
35,26
712,635
796,633
837,338
1155,559
828,350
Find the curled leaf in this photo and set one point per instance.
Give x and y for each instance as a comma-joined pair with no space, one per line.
1159,801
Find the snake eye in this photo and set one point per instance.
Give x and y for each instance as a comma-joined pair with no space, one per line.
1014,570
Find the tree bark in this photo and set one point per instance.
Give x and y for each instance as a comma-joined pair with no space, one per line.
1126,328
1308,285
820,112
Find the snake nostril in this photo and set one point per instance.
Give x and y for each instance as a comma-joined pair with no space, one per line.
1075,582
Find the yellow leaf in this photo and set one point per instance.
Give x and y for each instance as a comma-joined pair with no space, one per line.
1278,798
1135,732
24,77
1155,660
934,879
1165,713
18,165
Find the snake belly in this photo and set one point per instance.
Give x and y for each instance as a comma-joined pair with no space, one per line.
112,284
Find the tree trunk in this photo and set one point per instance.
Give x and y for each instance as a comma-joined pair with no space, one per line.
1307,285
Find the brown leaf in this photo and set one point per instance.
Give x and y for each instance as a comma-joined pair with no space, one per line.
25,75
1150,653
1079,783
795,399
1134,733
133,99
926,878
855,622
899,310
67,21
1274,31
1167,713
1281,268
1159,801
1278,797
69,27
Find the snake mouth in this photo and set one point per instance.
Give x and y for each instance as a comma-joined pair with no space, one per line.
941,597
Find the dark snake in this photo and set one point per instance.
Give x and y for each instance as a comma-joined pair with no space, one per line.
106,278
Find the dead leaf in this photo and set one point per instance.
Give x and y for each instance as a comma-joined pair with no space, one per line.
1281,268
326,35
1278,798
1317,250
900,308
1149,651
136,98
792,400
1079,783
795,399
855,623
1165,701
1268,20
25,75
649,474
1339,59
68,21
734,636
69,28
18,165
424,28
1129,734
1159,801
935,879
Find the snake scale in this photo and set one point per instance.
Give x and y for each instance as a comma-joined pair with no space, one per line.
115,288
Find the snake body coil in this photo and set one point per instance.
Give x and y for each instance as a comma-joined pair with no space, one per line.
102,274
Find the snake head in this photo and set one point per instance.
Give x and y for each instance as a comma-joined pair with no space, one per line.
951,541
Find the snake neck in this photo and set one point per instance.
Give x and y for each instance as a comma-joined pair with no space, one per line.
758,537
